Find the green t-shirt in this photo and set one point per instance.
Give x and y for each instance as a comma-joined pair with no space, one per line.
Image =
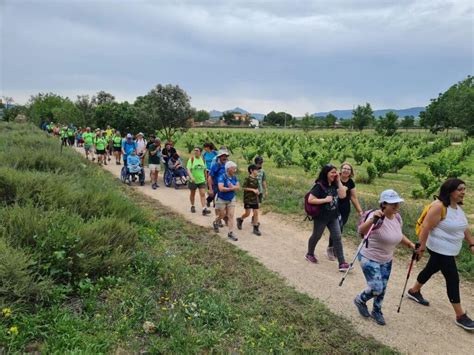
100,143
63,133
117,141
156,158
88,138
197,166
70,132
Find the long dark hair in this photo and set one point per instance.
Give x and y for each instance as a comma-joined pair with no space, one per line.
323,175
447,188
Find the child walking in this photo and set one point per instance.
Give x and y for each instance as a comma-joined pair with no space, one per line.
251,199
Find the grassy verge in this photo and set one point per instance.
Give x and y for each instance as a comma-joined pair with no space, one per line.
84,263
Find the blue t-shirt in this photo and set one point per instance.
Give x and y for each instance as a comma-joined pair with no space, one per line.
208,158
216,170
129,147
133,163
224,179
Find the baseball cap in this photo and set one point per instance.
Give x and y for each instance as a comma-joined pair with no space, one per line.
129,135
222,152
258,160
390,196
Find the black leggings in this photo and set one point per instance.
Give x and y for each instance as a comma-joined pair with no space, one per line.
344,217
447,266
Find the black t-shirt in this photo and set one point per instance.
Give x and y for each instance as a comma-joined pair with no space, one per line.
345,203
168,153
328,210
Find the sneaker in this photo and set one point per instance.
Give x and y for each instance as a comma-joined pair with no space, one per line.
311,258
417,297
142,183
378,317
215,225
465,322
220,224
361,307
344,267
153,186
239,222
205,212
232,237
193,209
330,253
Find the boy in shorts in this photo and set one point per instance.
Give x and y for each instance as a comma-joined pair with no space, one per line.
251,199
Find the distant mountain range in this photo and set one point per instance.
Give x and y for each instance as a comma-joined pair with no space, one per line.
413,111
344,114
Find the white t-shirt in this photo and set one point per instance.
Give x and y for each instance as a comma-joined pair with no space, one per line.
141,145
383,240
446,238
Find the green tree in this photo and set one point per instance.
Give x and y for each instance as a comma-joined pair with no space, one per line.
453,108
408,122
388,124
86,107
48,107
330,120
102,98
10,113
307,122
201,116
278,119
166,109
362,116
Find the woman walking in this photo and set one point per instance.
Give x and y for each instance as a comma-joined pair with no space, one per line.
376,258
442,232
346,175
326,192
197,173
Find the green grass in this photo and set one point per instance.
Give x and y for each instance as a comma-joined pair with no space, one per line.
86,261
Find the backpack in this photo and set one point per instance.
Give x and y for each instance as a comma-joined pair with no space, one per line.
420,220
366,214
312,211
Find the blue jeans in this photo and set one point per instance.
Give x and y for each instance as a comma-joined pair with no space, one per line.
376,275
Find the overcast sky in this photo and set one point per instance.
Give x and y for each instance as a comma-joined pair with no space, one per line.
285,55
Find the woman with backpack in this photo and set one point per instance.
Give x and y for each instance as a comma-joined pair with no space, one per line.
442,232
346,175
376,257
326,193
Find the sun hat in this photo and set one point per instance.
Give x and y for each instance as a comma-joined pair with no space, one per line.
390,196
222,152
230,164
140,134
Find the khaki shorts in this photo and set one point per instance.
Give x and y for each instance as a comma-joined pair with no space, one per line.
154,167
221,204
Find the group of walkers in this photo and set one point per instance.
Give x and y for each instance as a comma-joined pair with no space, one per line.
210,172
442,232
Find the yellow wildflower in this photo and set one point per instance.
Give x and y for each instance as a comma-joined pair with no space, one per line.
13,330
7,312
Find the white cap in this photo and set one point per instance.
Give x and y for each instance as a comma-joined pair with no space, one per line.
230,164
222,152
129,136
390,196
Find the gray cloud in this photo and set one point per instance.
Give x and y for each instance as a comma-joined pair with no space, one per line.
299,56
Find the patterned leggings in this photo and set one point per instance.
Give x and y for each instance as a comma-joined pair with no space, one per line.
377,276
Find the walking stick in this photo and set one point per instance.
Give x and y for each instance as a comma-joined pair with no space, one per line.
414,257
359,248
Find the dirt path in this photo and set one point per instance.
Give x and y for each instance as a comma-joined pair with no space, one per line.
281,248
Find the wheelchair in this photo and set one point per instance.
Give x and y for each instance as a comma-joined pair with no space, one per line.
175,178
131,174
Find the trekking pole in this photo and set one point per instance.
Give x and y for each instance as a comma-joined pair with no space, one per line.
414,257
359,248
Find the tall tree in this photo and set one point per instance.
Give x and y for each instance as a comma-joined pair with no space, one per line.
408,122
86,107
201,116
388,124
103,97
362,116
330,120
307,122
42,107
166,108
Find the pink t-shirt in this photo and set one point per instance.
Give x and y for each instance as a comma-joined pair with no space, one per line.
383,240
